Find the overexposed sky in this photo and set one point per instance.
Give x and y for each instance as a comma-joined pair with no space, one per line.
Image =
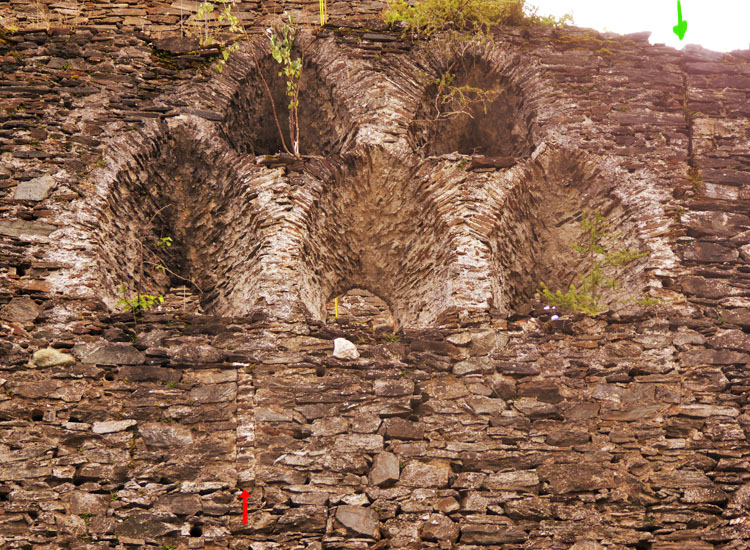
722,25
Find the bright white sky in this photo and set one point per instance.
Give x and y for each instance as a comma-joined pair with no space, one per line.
721,25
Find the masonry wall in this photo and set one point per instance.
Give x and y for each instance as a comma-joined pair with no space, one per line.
475,425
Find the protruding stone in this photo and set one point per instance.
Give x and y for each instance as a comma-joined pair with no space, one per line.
112,426
385,470
344,349
438,528
362,521
34,190
50,357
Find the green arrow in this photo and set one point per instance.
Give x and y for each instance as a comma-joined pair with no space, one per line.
681,26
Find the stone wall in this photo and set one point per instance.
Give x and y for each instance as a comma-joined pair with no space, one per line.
473,419
165,18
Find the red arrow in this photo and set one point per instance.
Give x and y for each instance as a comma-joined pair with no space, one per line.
244,496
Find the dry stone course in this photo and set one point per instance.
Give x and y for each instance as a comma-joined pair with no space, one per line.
471,418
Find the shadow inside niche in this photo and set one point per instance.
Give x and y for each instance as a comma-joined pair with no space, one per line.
250,125
361,306
173,227
541,237
470,108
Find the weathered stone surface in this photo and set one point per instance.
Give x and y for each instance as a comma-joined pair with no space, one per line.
34,190
51,357
195,353
487,534
344,349
114,354
219,393
399,428
160,435
705,411
393,388
112,426
368,443
23,228
359,520
20,310
571,478
385,470
512,481
426,474
438,528
87,503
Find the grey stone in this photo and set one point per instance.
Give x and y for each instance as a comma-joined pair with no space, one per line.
362,521
20,310
24,228
191,353
385,470
159,435
398,428
34,190
114,354
112,426
710,495
474,365
51,357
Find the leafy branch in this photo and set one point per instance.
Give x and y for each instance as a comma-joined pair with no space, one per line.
585,297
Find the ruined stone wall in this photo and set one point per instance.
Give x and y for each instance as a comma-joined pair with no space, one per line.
166,18
481,422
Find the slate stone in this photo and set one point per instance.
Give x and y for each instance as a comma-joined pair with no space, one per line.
115,354
398,428
707,495
87,503
480,404
160,435
426,474
573,478
385,470
694,358
393,388
488,534
192,353
439,528
706,411
522,480
145,524
20,310
359,520
112,426
34,190
218,393
51,357
24,228
705,288
704,252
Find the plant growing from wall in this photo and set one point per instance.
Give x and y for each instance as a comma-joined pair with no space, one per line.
221,10
282,43
586,297
427,17
453,101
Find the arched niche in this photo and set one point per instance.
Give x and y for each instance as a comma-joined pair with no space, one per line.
360,306
539,224
250,125
471,108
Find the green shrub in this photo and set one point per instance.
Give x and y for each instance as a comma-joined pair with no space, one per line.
427,17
